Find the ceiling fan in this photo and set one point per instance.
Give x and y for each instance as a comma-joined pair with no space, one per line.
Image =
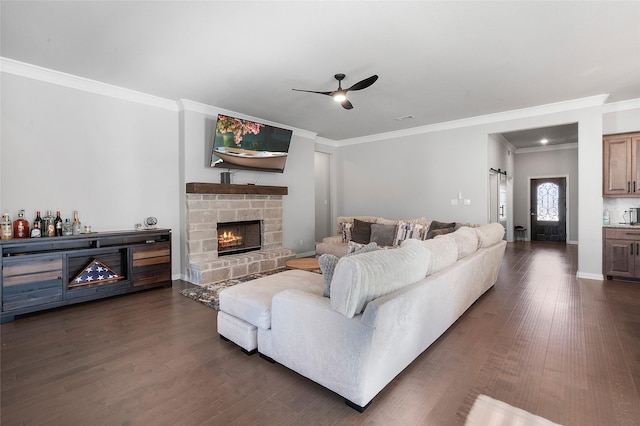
340,95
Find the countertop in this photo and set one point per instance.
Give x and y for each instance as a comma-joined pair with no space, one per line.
621,225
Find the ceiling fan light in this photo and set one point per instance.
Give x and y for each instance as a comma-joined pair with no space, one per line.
339,96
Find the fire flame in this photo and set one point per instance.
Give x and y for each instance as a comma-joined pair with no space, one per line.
228,238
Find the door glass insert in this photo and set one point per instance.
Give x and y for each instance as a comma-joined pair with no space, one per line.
548,196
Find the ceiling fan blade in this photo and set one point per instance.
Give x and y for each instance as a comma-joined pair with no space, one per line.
363,84
346,104
313,91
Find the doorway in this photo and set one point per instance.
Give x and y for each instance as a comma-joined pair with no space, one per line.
322,168
498,197
549,209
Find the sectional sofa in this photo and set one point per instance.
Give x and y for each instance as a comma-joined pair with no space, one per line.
385,307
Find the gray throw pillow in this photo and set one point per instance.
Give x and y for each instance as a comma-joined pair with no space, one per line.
383,235
328,264
361,231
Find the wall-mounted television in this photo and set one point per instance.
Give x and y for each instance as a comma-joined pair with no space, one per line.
245,144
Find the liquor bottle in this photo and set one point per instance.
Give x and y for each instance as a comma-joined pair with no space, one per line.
6,227
49,228
67,228
76,223
36,231
21,226
58,224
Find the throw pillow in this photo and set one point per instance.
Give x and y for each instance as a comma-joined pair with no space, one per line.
346,231
328,262
443,231
361,231
435,225
408,231
383,235
365,249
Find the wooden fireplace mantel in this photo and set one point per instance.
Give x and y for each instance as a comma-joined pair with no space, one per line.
227,188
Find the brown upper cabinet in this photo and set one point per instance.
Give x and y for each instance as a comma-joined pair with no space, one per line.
621,168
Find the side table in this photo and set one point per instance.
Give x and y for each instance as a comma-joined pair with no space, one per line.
305,263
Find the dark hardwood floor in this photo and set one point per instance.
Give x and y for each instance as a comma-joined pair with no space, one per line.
542,340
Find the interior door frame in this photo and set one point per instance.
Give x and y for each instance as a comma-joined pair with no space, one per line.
493,212
324,205
567,204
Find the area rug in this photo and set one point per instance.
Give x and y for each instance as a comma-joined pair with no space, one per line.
208,294
489,411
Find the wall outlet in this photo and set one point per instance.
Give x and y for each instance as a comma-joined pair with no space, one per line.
454,201
467,202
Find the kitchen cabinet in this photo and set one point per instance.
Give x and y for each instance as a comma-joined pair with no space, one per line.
621,253
621,165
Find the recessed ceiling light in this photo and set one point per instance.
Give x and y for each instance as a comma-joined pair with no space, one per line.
404,117
544,141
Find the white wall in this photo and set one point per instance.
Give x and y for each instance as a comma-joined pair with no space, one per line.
416,173
617,120
550,163
415,176
65,149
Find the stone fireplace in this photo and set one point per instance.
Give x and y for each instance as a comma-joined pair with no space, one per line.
211,204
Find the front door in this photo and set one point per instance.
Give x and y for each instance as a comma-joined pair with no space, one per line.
548,209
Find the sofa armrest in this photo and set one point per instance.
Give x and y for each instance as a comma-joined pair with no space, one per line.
334,239
306,320
311,338
338,250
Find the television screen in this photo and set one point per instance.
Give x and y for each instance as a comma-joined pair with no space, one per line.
244,144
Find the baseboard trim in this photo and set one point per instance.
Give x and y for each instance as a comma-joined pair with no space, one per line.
589,276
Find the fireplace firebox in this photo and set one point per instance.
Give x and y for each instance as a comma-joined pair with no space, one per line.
239,237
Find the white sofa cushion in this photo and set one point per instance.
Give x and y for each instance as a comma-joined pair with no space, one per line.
328,264
444,252
360,279
466,239
420,220
489,234
251,300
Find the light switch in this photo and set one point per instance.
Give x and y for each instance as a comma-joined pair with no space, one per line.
467,202
454,202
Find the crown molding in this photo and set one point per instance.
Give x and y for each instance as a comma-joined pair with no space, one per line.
500,138
327,142
621,106
516,114
193,106
572,145
34,72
